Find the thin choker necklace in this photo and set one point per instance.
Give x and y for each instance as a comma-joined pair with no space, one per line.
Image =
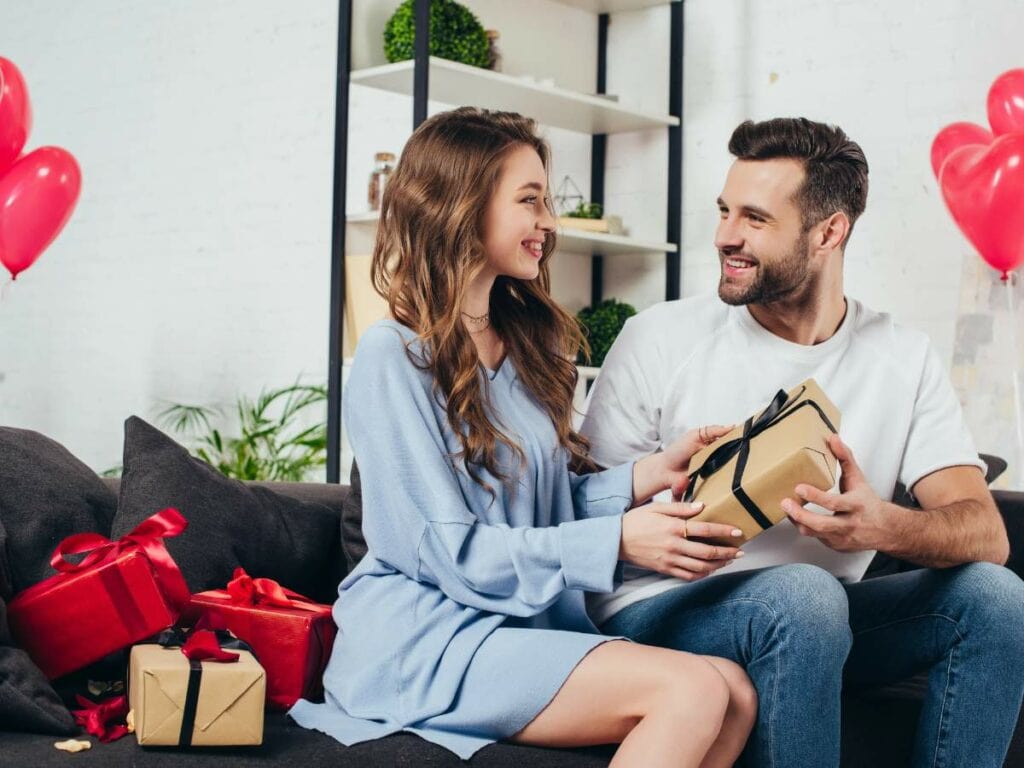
482,319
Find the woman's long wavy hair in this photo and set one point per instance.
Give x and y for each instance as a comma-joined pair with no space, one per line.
430,247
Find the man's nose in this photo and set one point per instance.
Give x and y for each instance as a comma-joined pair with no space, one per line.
728,236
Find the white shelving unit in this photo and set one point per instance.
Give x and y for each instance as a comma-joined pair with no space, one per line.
452,83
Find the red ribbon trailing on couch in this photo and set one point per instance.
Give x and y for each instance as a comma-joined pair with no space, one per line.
105,719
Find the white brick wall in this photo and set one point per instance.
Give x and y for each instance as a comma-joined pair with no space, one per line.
196,265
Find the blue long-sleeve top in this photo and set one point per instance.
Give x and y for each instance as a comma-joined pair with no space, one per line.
453,576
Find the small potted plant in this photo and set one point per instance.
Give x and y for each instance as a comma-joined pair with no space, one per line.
455,34
601,325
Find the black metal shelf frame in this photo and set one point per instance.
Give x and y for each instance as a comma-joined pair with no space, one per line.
421,85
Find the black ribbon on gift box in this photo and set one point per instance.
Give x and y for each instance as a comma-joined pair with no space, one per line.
740,446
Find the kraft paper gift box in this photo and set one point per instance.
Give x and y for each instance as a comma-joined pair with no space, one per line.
743,476
224,702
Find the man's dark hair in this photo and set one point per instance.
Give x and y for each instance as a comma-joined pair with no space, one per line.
835,168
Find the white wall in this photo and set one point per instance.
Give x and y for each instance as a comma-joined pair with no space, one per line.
196,265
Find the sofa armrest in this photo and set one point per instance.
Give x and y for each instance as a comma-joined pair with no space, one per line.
1011,506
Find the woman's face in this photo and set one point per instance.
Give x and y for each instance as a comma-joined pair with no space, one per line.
517,219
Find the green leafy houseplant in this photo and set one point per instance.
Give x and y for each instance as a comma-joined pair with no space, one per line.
455,34
586,210
601,324
274,444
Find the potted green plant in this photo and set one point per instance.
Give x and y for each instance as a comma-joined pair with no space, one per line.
455,34
282,435
601,324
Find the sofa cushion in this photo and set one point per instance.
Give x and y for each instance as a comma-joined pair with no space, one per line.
46,494
230,523
352,541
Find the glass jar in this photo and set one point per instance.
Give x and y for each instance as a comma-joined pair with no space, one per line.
384,164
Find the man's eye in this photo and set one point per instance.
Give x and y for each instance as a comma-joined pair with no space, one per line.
755,218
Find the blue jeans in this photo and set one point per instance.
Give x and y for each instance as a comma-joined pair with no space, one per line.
802,636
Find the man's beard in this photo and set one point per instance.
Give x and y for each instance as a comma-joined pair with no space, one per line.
775,280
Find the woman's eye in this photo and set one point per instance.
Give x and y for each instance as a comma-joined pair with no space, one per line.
531,199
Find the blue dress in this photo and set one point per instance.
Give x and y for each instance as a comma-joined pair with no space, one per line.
467,615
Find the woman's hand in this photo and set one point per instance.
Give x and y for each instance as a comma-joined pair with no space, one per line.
658,537
669,468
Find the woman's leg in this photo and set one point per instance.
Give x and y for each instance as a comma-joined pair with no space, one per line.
664,708
740,717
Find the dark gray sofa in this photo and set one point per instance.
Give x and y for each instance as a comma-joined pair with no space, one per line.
877,726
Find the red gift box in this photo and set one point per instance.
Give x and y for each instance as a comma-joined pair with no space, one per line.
290,635
119,593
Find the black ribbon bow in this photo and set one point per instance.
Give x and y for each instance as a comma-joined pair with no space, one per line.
740,446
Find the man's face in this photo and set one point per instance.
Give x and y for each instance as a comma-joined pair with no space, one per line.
762,248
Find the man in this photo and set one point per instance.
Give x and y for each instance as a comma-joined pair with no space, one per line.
808,625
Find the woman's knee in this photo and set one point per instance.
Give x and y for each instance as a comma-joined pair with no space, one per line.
690,689
742,694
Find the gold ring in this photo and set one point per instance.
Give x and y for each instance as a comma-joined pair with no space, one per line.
685,533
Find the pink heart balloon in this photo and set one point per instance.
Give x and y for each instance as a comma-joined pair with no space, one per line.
37,195
1006,103
954,136
15,113
984,190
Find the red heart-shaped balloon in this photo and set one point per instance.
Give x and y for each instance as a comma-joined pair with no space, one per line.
37,195
15,113
984,190
954,136
1006,103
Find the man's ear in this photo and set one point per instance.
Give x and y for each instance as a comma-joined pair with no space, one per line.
831,234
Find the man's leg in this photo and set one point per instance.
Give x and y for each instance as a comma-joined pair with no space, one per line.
966,626
788,626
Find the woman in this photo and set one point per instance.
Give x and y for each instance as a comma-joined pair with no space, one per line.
465,622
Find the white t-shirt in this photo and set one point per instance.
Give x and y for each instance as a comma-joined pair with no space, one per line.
683,364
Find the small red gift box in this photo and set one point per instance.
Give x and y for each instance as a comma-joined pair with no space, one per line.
290,635
119,593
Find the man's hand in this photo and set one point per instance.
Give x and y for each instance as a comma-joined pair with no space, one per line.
659,537
858,522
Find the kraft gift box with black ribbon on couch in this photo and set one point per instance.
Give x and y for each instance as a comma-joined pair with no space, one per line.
303,536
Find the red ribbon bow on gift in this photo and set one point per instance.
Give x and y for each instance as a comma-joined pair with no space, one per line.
105,719
147,536
245,590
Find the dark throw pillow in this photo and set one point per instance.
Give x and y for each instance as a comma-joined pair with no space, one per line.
352,541
229,523
46,494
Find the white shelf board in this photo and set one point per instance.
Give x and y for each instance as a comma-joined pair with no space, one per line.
459,84
575,240
609,245
611,6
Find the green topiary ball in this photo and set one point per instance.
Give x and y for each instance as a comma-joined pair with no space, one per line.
602,324
455,34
